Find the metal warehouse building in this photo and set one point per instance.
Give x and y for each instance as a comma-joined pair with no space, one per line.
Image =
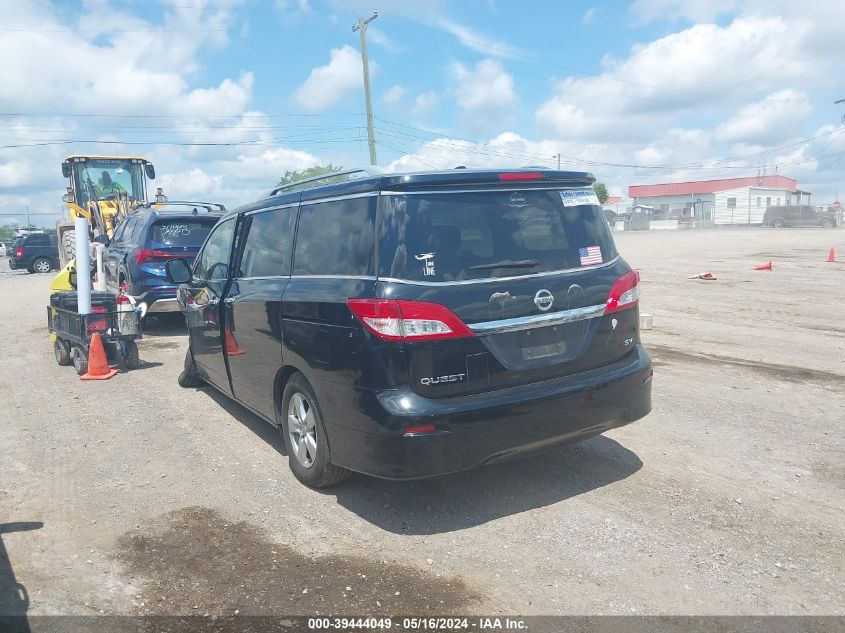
724,201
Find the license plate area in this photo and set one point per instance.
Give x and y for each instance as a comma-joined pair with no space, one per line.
542,342
537,347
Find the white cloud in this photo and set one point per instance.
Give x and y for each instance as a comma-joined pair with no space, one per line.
477,42
328,85
693,10
769,120
235,181
293,11
589,16
704,65
424,104
114,62
393,95
486,88
378,37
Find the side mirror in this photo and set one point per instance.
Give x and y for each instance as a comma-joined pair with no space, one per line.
178,271
66,170
103,239
150,171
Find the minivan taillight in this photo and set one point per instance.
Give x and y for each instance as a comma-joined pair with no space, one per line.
399,320
624,294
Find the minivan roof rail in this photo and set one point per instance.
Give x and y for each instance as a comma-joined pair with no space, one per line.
315,179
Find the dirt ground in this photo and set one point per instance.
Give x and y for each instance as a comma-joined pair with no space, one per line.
727,499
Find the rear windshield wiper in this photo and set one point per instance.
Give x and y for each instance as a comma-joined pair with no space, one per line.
508,263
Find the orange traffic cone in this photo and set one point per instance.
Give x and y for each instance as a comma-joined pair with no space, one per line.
232,348
98,364
831,256
707,276
766,266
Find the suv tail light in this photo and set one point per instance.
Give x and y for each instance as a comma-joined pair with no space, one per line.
19,252
397,320
146,255
624,294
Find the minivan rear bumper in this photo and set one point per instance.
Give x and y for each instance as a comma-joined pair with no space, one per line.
494,426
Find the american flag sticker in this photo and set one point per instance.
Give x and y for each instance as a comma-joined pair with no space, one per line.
590,255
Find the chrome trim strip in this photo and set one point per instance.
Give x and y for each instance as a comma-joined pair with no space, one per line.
488,280
507,186
276,208
351,196
538,320
357,277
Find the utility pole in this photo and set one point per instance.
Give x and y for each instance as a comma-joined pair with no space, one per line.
558,160
361,27
843,116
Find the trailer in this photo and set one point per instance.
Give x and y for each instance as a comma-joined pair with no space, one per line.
118,325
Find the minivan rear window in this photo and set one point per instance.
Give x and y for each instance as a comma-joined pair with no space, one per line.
181,232
442,237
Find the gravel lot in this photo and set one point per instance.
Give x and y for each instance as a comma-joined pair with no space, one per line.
727,499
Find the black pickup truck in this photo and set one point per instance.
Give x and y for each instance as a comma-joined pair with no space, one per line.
35,252
799,215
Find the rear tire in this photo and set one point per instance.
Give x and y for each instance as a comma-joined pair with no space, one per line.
778,223
305,438
80,360
189,378
111,351
131,359
41,265
69,245
828,224
62,352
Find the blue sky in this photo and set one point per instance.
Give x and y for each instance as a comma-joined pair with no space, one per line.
224,95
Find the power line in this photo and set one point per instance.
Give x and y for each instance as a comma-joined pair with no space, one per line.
177,116
259,142
703,165
109,31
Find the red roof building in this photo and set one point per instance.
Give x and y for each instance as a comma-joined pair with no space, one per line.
728,201
711,186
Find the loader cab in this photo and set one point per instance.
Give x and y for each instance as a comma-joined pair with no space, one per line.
105,178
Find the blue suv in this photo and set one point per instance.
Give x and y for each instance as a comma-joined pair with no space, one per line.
143,242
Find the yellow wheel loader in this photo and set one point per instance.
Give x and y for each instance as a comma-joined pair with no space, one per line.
103,190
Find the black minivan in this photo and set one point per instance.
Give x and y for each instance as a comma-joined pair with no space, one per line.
411,325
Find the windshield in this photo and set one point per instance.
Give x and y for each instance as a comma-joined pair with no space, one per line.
106,178
474,235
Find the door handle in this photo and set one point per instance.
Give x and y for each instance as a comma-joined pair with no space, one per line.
229,301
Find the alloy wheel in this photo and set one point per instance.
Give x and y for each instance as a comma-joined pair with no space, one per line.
42,266
302,430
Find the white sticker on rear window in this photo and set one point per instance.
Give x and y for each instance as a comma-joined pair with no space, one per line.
428,263
578,197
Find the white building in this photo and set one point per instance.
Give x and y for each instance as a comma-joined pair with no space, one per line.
724,201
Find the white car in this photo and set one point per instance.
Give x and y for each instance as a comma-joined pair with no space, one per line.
2,250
